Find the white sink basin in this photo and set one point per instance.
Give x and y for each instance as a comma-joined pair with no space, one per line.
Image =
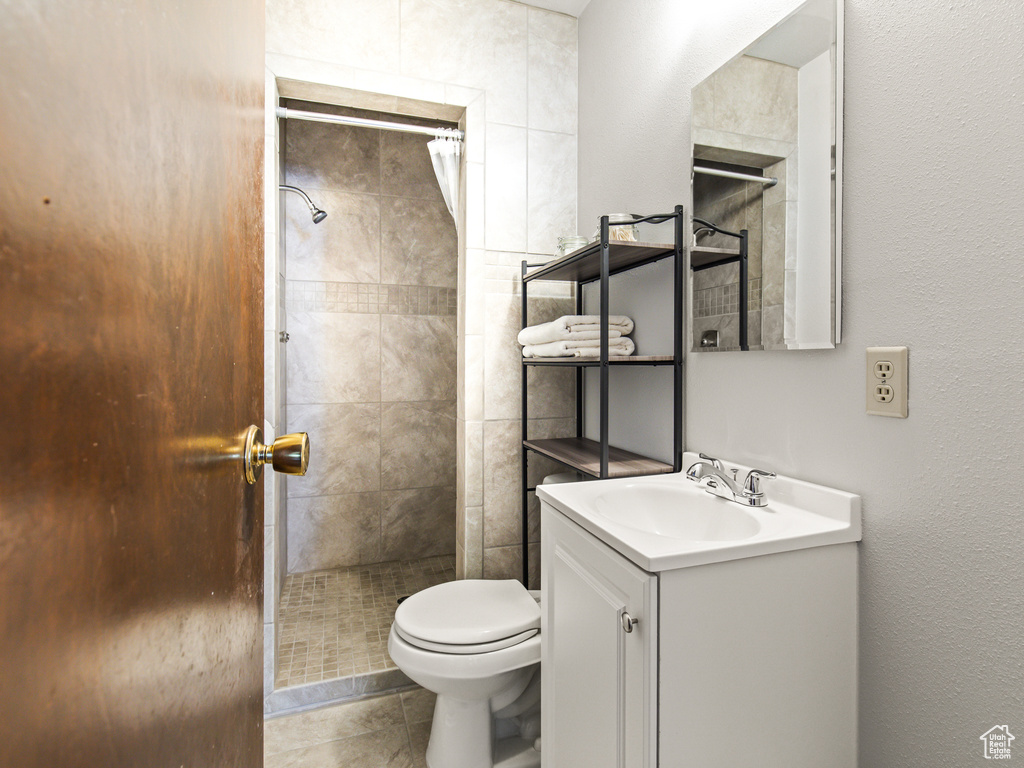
665,509
665,522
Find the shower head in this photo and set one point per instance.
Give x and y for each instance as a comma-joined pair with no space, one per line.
318,215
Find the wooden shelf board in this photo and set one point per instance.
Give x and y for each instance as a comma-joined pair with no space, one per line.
708,257
584,264
592,361
584,455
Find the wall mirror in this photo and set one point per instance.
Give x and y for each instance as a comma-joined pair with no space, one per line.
767,190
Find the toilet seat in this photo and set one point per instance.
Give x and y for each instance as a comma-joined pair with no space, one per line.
436,671
497,645
469,616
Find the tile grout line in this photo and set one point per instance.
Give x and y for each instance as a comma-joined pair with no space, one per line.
408,730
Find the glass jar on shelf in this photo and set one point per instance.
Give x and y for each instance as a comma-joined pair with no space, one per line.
621,227
570,243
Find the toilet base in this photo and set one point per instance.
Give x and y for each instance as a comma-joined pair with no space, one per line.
482,700
461,736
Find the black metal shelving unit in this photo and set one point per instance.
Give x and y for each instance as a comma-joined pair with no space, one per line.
599,261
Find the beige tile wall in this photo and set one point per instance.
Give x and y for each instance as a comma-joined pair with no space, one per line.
513,70
371,360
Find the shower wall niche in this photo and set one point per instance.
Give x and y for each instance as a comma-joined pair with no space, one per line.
745,119
733,205
371,361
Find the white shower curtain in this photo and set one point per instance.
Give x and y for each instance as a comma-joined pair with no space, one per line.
445,154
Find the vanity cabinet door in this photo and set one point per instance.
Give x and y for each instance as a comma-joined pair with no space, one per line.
599,681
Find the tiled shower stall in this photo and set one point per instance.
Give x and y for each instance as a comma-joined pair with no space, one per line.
507,73
371,371
371,314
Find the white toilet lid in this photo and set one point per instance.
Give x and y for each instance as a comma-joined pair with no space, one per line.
468,612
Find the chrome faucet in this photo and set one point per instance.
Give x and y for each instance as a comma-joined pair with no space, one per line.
711,474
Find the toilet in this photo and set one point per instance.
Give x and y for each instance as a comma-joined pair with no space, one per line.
476,644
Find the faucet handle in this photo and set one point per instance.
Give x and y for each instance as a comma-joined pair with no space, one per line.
713,461
752,484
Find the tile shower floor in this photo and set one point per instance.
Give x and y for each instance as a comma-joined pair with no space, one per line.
336,623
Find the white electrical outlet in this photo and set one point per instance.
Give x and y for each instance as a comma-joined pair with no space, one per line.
887,381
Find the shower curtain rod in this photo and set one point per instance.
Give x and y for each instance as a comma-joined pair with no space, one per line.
319,117
768,181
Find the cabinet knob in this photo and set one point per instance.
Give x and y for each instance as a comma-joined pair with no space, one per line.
628,622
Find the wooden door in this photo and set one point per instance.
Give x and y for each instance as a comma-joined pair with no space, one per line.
131,251
599,683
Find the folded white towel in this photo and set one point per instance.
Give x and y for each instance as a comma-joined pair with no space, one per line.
544,334
620,323
621,347
573,327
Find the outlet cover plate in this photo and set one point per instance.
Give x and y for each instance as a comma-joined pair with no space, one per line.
895,407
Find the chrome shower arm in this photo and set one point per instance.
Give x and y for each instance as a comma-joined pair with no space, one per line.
298,191
318,215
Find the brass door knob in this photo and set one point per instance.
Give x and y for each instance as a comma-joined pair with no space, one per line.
288,454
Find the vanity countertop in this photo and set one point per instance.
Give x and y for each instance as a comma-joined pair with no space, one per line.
665,522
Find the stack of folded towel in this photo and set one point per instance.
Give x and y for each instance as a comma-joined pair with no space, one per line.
577,336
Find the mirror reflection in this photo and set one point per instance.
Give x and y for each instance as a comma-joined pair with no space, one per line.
765,197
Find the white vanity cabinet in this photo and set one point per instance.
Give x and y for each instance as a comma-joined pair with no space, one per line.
744,662
599,682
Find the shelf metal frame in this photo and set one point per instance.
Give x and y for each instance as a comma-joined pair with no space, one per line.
742,257
556,270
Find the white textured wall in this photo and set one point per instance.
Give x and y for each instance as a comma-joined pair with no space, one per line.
933,250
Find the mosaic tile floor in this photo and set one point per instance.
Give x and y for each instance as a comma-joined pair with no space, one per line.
336,623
